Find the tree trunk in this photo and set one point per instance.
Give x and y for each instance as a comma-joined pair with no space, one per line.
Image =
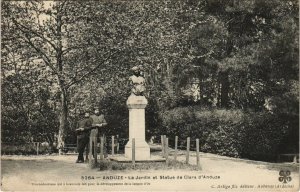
63,97
62,122
224,82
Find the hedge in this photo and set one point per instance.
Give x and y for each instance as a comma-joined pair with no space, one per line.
234,133
23,149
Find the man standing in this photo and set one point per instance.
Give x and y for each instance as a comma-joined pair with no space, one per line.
98,123
83,133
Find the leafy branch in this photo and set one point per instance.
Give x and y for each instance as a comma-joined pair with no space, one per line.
91,71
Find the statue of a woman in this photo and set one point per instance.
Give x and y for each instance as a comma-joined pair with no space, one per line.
137,81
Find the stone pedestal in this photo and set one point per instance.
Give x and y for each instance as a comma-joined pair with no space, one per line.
136,106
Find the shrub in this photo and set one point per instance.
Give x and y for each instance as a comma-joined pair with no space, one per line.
24,149
234,133
222,141
261,135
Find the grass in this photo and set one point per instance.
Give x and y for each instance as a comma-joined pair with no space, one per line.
171,164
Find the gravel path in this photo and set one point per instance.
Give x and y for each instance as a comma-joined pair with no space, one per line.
52,172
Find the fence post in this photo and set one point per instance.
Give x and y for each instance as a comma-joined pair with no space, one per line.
165,138
95,148
101,148
162,145
188,150
167,149
90,149
176,145
133,151
37,148
197,153
118,147
112,145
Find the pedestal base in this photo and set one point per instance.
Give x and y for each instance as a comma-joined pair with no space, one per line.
142,150
122,159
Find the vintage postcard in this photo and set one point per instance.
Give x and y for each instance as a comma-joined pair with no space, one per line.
181,95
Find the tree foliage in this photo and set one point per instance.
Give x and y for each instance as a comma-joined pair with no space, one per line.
61,57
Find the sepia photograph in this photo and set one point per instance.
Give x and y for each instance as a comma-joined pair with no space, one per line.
150,95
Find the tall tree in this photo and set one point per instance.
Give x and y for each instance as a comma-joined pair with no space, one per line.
45,28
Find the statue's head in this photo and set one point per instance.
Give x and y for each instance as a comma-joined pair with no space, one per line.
135,70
